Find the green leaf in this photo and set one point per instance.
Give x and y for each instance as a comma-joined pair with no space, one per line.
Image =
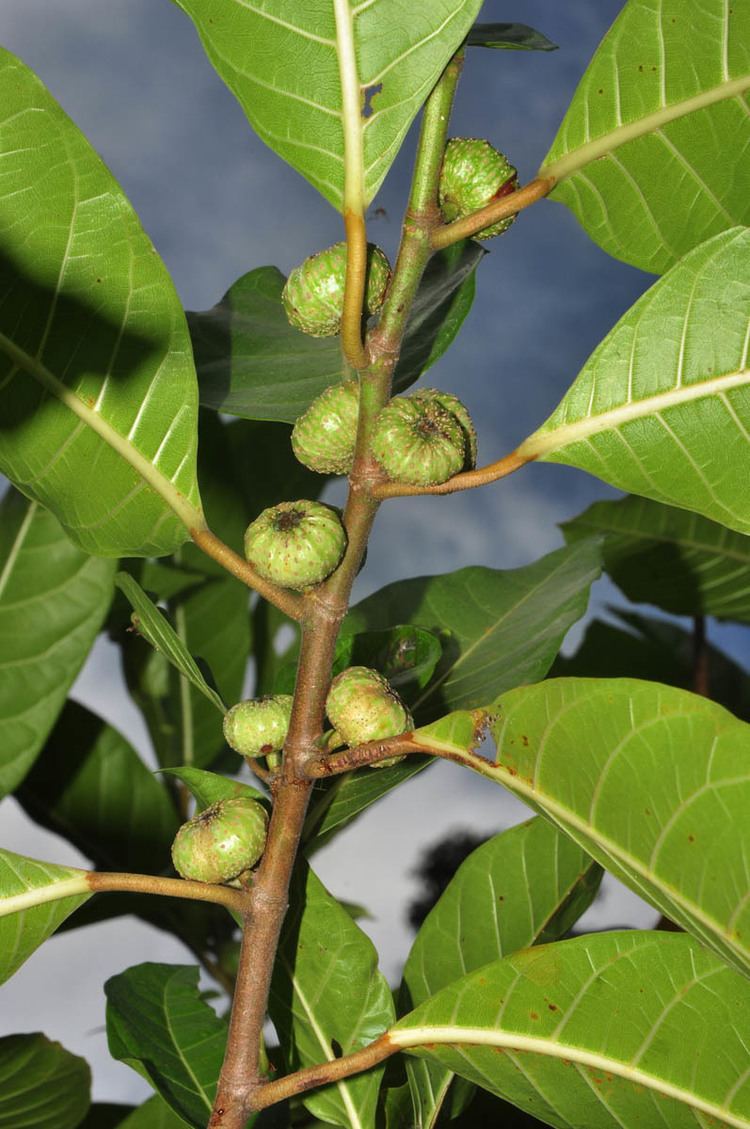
158,1022
662,406
252,363
505,627
658,651
652,781
98,391
153,1114
332,85
513,37
328,998
90,786
154,626
43,1086
208,787
616,1029
106,1115
652,155
35,897
405,655
523,887
53,599
679,561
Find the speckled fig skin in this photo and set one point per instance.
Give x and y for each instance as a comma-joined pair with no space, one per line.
221,842
453,405
419,442
257,727
324,436
474,174
296,544
313,295
362,706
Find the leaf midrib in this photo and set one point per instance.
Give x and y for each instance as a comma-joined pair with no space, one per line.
576,159
191,516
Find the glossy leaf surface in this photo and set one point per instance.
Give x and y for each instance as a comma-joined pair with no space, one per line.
610,1031
327,993
652,781
158,1023
98,391
35,897
53,598
679,561
662,406
90,786
523,887
43,1086
652,154
333,82
511,37
209,787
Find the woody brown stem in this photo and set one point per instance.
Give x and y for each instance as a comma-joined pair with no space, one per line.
467,480
288,602
501,209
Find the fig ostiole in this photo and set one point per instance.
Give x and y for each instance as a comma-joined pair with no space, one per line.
296,544
313,296
221,842
418,441
474,174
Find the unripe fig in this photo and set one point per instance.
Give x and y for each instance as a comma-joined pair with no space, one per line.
325,435
453,405
313,296
419,442
258,727
221,842
474,174
296,544
363,707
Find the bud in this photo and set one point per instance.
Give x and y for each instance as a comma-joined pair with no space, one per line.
474,174
313,296
257,727
221,842
296,544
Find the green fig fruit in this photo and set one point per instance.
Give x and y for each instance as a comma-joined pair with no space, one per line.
313,296
221,842
362,706
453,405
417,441
325,435
474,174
257,727
296,544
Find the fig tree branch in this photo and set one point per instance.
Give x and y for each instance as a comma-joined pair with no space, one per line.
500,209
100,882
467,480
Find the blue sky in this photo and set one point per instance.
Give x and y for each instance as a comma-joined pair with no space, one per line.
216,202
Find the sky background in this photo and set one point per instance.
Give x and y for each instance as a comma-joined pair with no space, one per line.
217,202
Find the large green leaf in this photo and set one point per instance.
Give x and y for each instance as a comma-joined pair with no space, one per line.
53,599
525,886
153,1114
107,1115
612,1031
501,628
653,153
662,406
158,1023
35,897
42,1086
660,651
679,561
328,998
652,781
97,386
91,786
332,85
252,363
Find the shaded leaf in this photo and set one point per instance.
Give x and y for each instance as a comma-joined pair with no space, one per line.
514,37
153,1114
43,1086
158,1023
99,397
328,998
652,155
611,1030
683,563
328,69
53,599
35,897
652,781
662,406
153,625
90,786
523,887
106,1115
